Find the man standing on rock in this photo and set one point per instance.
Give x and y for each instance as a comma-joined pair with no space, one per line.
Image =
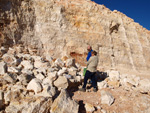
91,71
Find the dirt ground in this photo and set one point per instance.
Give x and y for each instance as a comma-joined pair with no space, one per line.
124,100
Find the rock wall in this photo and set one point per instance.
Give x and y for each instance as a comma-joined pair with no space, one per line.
17,20
65,28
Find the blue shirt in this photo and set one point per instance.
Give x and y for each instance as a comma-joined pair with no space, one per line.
89,55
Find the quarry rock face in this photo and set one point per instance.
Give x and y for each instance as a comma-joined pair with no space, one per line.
59,27
60,31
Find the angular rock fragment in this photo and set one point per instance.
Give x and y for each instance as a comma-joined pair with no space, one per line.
107,98
61,82
3,68
64,104
35,85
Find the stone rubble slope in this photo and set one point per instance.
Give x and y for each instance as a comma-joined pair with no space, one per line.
30,83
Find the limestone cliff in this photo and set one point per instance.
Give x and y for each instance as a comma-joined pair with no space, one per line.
65,28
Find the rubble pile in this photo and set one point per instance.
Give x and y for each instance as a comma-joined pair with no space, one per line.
30,83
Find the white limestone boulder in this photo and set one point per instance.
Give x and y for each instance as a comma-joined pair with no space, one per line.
47,81
114,75
27,64
38,104
61,82
52,75
89,108
36,58
72,71
3,68
35,85
78,78
48,91
102,84
40,76
12,70
107,98
39,64
9,59
62,71
64,104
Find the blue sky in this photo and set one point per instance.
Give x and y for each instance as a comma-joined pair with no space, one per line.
139,10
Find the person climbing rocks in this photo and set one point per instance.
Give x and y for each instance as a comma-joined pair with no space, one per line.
91,71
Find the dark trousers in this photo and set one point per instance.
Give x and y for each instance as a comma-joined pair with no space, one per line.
90,75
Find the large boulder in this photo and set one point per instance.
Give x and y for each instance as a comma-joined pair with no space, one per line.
30,105
3,68
52,75
47,81
27,64
62,71
107,98
61,83
39,64
102,84
40,76
64,104
37,58
35,85
89,108
10,59
48,91
13,70
114,75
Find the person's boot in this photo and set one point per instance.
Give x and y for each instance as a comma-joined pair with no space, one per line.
82,89
94,89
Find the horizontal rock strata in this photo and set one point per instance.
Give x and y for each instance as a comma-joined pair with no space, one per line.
60,27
